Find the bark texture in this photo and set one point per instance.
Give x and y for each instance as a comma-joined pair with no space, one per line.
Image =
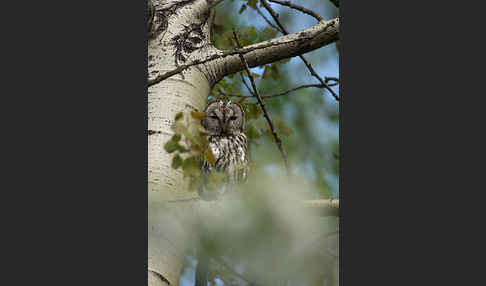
179,35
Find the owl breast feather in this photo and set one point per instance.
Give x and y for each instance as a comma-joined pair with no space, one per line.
229,151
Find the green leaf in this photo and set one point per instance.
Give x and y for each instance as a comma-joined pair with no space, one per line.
269,32
266,72
253,3
190,167
252,132
176,161
243,8
170,146
176,137
253,111
248,35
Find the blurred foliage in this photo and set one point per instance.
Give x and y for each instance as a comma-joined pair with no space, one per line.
262,239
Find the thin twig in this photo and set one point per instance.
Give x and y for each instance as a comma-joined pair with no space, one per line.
266,20
298,7
292,89
262,105
329,78
247,87
307,64
277,94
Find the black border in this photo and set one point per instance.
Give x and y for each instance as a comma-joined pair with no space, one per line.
74,103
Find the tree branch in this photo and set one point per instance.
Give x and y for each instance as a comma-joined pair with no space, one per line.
262,105
298,7
307,64
327,79
283,47
322,207
292,89
228,62
317,207
266,19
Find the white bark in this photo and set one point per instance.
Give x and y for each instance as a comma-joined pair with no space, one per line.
180,35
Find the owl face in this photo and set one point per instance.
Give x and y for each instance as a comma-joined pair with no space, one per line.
222,118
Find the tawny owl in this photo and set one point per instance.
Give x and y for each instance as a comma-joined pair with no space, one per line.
225,122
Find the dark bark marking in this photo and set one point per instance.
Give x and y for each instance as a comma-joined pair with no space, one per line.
190,39
160,276
164,14
152,132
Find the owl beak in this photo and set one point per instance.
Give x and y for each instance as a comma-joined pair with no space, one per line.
225,128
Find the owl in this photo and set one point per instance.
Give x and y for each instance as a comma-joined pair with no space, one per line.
225,123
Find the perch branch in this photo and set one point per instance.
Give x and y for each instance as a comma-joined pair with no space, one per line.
322,207
228,62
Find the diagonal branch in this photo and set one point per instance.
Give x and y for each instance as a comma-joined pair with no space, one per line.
262,105
227,62
307,64
298,7
266,19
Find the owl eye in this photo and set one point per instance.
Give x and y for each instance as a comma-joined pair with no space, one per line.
232,118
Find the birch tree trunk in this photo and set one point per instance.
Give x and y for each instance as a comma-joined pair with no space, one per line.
179,34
